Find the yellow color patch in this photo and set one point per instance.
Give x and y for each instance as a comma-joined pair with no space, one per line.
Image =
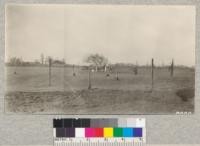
108,132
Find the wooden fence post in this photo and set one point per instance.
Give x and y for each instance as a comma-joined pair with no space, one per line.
50,64
89,80
136,68
64,77
172,68
152,74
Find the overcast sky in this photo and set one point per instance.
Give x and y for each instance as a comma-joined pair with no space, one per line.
119,32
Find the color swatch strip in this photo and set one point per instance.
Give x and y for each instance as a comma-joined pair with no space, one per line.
93,123
106,132
99,128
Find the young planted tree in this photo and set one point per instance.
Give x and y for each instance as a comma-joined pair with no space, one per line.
74,74
135,70
117,76
42,58
106,70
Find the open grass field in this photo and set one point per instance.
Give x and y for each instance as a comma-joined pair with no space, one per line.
28,91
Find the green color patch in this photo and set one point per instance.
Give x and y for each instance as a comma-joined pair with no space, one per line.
118,132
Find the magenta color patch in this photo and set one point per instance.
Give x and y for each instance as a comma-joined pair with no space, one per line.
89,132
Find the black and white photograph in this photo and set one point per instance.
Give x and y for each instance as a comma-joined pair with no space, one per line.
99,59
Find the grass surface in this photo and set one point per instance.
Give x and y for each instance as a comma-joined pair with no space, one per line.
28,91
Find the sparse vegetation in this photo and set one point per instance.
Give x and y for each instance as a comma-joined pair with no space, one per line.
130,94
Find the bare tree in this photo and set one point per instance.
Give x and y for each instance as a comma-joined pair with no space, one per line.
15,61
97,60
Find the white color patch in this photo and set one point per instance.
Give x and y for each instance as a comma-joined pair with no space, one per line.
80,132
140,122
131,122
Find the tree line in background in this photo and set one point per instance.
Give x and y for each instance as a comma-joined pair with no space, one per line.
44,61
96,60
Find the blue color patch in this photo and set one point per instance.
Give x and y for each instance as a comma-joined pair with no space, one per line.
137,132
127,132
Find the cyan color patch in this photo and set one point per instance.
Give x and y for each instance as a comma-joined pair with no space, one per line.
127,132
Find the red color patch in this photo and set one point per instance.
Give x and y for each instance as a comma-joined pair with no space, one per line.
98,132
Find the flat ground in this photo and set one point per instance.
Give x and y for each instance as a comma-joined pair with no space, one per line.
28,91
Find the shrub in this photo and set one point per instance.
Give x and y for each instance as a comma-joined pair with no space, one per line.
185,94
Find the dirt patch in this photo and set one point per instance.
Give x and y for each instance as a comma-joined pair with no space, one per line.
97,101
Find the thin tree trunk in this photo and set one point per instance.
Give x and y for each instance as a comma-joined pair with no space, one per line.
105,69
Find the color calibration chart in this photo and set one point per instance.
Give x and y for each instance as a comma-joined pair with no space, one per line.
99,132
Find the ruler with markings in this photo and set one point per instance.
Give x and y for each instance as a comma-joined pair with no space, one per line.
99,132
